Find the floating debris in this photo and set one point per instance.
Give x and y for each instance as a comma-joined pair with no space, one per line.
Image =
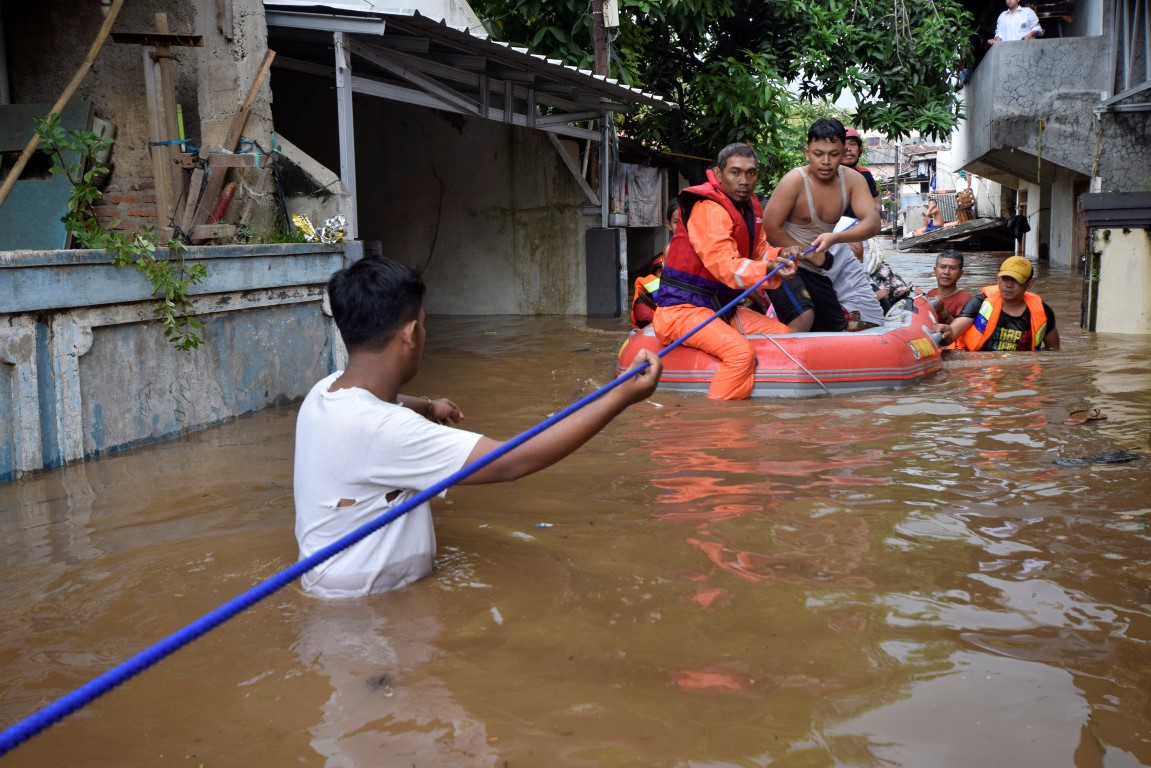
1084,415
1107,457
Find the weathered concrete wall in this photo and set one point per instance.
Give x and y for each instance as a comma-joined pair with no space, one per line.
86,369
47,42
226,68
488,211
1030,108
1017,85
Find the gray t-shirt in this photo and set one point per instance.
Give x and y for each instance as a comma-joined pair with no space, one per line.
852,286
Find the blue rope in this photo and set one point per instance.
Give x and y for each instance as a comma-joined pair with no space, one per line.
56,711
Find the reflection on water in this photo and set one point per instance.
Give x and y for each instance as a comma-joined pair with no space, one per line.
901,578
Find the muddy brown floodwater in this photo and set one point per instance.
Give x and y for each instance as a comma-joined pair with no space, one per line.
889,579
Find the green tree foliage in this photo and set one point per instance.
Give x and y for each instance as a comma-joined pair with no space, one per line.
743,69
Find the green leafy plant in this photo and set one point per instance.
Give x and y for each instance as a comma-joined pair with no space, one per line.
73,154
281,232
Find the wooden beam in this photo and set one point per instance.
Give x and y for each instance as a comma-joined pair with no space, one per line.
245,160
158,63
235,131
194,186
202,232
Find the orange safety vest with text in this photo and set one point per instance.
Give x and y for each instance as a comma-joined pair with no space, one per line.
987,320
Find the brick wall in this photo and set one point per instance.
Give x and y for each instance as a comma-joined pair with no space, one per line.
133,203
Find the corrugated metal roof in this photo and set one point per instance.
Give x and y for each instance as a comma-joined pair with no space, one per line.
455,13
457,31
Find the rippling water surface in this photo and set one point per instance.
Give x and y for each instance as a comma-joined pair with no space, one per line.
889,579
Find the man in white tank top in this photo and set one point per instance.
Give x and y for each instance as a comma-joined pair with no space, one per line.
803,211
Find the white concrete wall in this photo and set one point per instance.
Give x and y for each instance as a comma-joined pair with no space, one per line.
1062,221
1032,240
1124,281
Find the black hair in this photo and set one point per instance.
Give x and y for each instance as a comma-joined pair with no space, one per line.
739,149
950,253
371,299
827,129
672,207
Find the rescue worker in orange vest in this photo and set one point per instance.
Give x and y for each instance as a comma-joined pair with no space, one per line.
643,305
1004,317
718,251
643,301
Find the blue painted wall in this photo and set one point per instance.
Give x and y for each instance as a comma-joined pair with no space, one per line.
106,379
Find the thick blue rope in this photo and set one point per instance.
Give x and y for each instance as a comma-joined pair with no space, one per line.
56,711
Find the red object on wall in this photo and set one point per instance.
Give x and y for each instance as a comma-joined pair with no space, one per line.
222,205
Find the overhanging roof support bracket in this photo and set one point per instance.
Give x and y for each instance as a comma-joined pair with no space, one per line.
592,197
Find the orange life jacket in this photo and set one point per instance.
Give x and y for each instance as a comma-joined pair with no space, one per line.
685,280
645,288
987,320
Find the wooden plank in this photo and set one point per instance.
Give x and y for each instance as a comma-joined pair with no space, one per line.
245,160
193,197
224,20
157,130
202,232
216,180
163,58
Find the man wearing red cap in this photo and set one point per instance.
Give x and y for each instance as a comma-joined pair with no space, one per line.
852,152
1005,317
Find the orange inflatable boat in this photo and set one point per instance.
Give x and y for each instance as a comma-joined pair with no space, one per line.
892,356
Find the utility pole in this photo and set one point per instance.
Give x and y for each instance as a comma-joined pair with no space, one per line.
599,37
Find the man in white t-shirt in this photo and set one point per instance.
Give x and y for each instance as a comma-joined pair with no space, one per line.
1016,23
363,448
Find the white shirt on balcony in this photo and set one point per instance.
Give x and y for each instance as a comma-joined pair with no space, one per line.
1015,23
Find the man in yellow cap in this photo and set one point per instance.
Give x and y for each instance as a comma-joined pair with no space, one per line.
1005,317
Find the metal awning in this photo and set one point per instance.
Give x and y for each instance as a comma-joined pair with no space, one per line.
448,64
415,58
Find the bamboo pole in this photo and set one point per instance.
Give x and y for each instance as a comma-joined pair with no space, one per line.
65,97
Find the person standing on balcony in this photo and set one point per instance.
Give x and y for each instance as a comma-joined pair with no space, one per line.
1016,23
